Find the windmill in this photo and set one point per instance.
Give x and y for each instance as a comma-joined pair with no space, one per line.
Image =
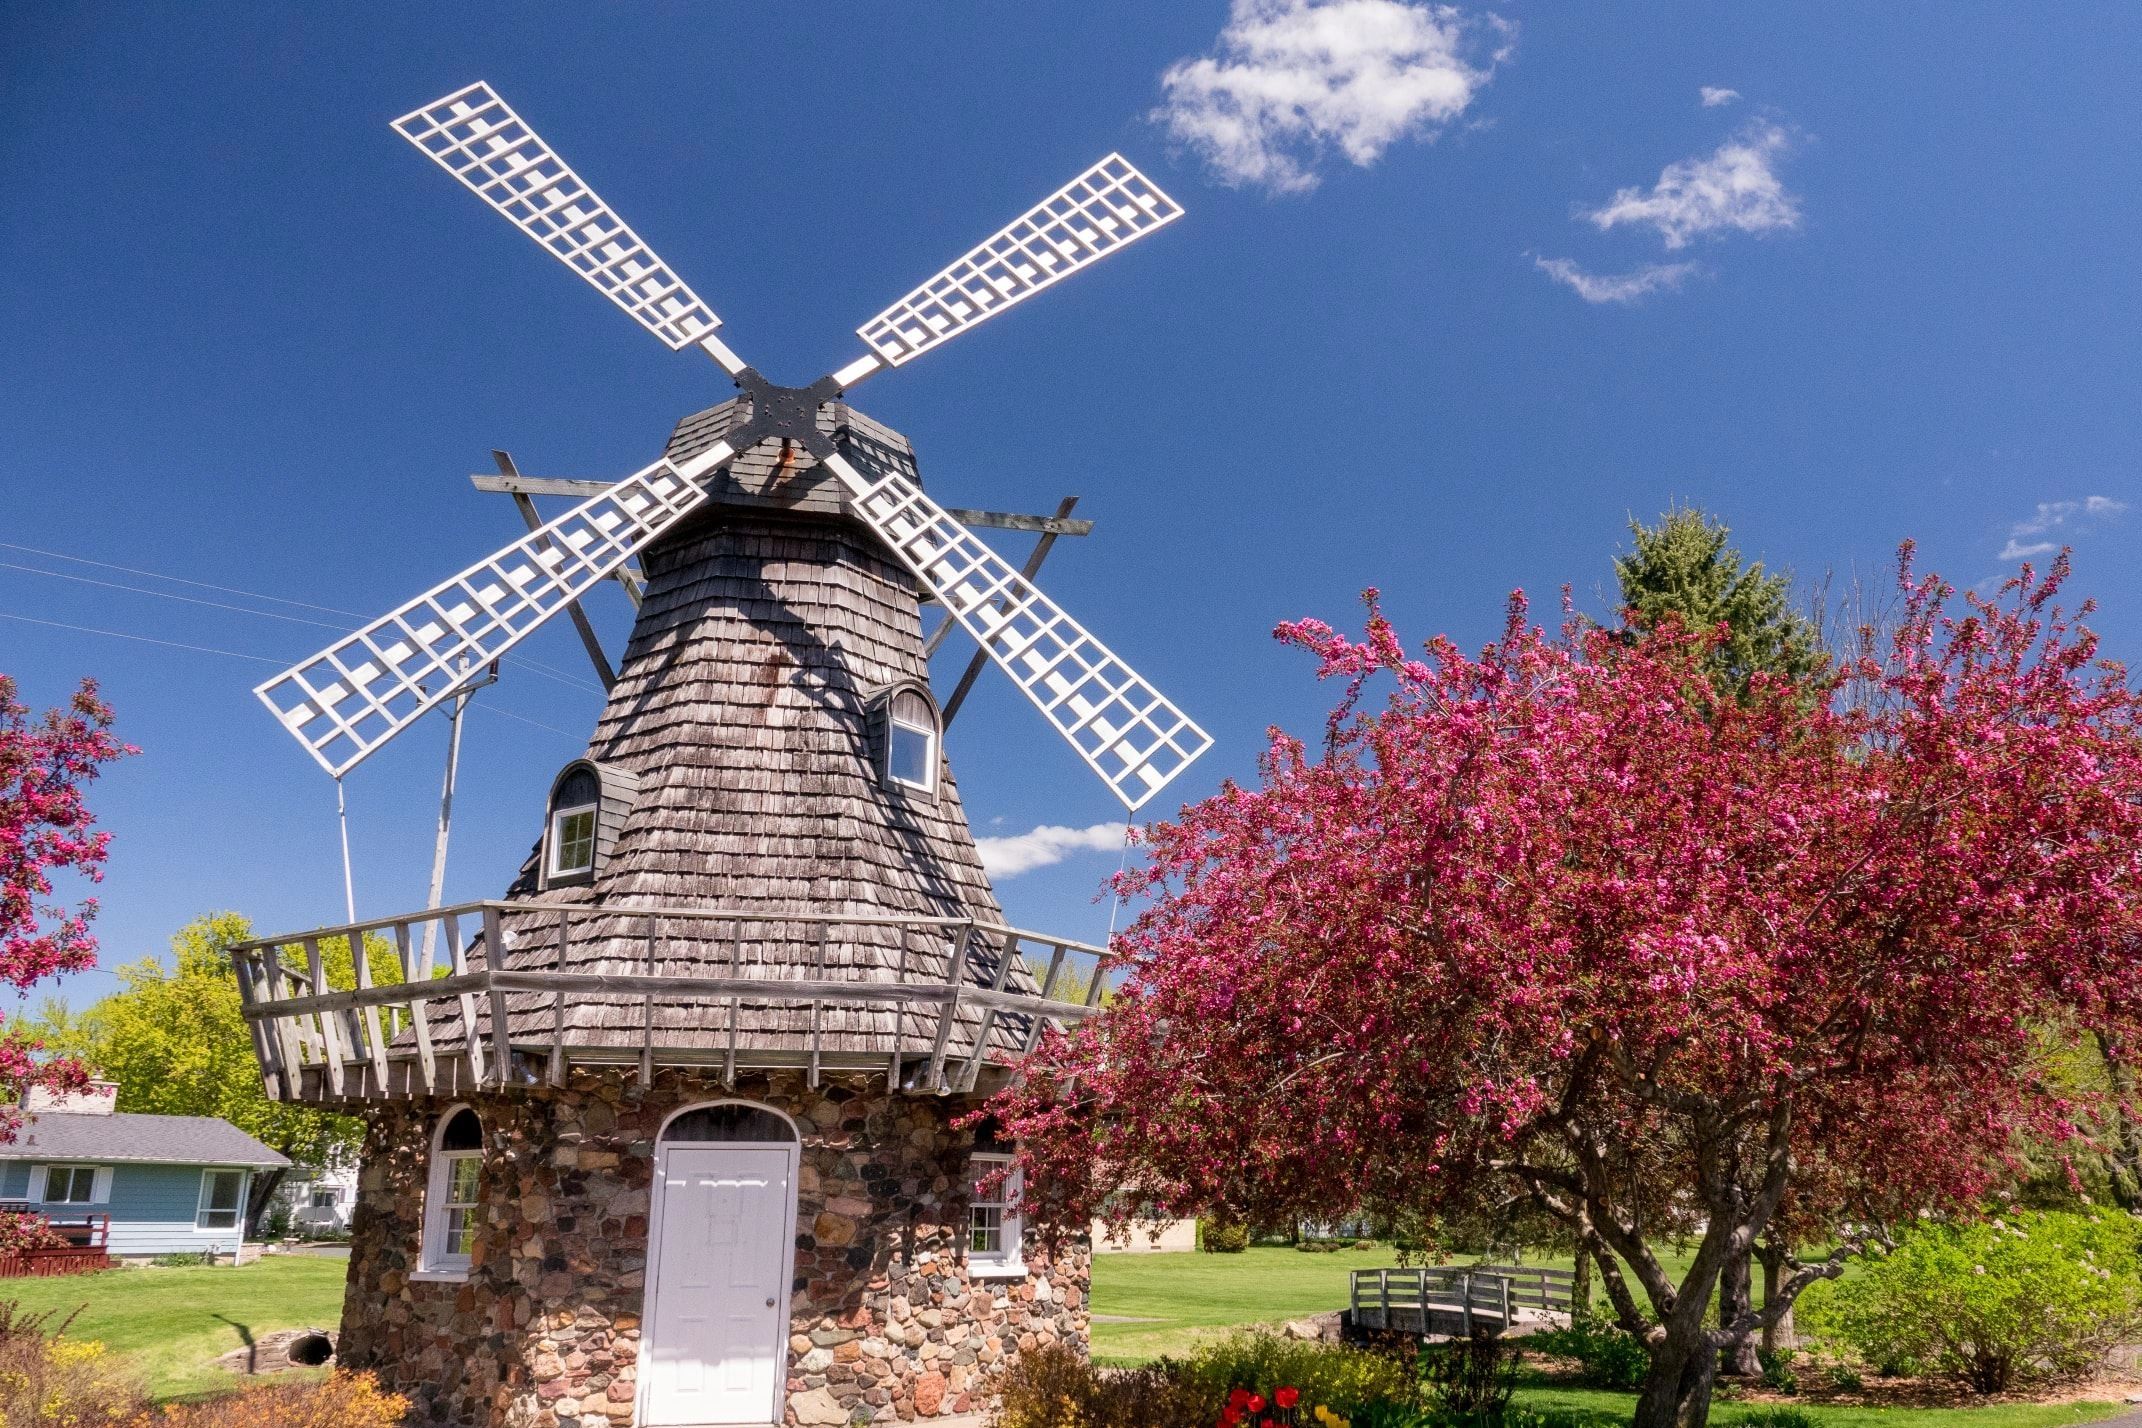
346,702
677,1132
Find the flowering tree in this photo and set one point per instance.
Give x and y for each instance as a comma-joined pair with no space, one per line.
46,765
1564,921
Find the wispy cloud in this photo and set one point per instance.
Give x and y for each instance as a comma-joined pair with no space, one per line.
1735,189
1715,97
1616,287
1288,82
1017,853
2071,517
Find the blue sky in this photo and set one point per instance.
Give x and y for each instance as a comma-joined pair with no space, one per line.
1458,292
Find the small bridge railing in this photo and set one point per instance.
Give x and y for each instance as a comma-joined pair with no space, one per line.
1448,1298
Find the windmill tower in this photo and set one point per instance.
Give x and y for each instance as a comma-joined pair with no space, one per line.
669,1135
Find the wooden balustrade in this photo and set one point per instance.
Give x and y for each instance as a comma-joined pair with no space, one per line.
985,993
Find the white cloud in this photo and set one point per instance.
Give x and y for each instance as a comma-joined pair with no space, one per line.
2053,516
1018,853
1616,287
1734,189
1713,96
1288,81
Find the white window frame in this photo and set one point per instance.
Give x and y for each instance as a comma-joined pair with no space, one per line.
434,1260
557,841
324,1197
933,732
201,1206
100,1183
1008,1260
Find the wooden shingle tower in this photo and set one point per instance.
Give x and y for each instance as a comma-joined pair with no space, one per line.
672,1133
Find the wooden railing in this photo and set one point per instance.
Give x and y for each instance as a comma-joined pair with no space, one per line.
1452,1299
86,1251
417,1030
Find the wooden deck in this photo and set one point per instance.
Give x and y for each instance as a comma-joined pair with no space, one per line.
1446,1299
86,1250
449,1022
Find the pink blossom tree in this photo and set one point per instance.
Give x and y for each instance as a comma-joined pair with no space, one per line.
1562,922
46,766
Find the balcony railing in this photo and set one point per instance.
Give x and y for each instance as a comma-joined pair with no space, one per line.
446,1018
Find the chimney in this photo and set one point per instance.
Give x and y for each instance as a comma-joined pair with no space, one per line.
96,1099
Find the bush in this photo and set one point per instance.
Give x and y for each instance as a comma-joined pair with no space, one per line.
1053,1387
1776,1416
1344,1380
1214,1237
50,1381
1778,1375
1611,1356
187,1259
343,1400
25,1230
1470,1379
2029,1296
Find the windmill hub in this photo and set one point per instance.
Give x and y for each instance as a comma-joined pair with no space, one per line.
789,413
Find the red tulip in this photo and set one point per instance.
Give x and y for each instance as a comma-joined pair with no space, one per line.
1256,1403
1286,1397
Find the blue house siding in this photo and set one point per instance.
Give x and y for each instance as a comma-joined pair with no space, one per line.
152,1207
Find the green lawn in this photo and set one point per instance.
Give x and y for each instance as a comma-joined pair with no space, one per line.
169,1323
1187,1298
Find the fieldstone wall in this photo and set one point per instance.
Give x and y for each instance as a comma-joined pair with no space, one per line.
885,1323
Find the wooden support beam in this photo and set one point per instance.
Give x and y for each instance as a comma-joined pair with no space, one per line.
515,484
973,670
592,645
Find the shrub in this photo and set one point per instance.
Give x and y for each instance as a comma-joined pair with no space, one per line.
1470,1379
1344,1380
186,1259
1775,1416
343,1400
49,1381
23,1230
1053,1387
1778,1375
1845,1378
1610,1355
1214,1237
2029,1296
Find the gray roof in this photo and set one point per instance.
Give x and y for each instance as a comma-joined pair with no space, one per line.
164,1140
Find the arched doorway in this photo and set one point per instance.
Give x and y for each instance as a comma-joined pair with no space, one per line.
721,1254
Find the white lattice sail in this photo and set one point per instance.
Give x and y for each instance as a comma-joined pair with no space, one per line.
1097,213
365,688
1127,731
475,136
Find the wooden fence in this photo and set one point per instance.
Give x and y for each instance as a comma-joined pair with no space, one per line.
1448,1299
85,1252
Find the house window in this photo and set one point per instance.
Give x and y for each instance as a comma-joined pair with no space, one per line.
572,841
911,740
222,1199
994,1231
70,1185
450,1205
323,1199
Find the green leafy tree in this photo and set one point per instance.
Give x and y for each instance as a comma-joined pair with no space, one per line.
173,1038
1685,567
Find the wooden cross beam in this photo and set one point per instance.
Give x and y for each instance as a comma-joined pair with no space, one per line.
607,675
1048,526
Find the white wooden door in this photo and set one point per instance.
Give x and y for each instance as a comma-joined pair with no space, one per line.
718,1331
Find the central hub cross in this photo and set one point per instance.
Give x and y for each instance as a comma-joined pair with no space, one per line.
789,413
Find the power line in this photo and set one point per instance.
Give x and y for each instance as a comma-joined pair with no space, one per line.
144,639
179,580
169,595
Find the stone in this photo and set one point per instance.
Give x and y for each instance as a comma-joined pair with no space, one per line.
817,1407
929,1394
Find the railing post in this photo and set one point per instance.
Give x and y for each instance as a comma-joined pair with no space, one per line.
419,1007
647,1010
973,1070
818,1007
494,956
375,1040
330,1040
1465,1300
457,957
1505,1304
1383,1287
948,1012
557,1002
736,970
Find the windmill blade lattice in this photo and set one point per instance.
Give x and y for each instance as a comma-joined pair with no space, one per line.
365,688
1104,209
1127,731
475,136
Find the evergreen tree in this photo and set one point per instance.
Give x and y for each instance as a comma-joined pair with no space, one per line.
1685,567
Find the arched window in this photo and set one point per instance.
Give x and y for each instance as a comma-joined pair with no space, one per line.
450,1199
911,740
588,806
731,1120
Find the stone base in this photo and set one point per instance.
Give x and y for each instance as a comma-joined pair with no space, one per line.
886,1323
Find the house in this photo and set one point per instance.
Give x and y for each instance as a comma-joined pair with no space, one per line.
315,1200
153,1185
678,1131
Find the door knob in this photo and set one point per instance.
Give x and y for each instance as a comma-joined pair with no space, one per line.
769,1303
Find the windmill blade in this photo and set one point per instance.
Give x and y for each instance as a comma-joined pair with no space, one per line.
359,692
1103,210
1128,732
475,136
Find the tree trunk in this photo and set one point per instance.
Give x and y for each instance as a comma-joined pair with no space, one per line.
1779,1336
1580,1288
1677,1389
262,1194
1736,1356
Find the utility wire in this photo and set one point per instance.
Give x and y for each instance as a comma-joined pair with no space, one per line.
534,665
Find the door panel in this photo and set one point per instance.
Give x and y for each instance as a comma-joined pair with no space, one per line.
715,1344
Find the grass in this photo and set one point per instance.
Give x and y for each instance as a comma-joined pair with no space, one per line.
1606,1408
168,1324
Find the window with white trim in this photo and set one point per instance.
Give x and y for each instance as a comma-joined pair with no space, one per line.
70,1185
911,740
324,1199
222,1200
450,1201
994,1230
572,841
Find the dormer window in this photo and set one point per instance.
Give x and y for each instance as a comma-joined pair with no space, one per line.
588,804
911,740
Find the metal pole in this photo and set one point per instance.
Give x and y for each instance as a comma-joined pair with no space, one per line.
349,886
446,821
